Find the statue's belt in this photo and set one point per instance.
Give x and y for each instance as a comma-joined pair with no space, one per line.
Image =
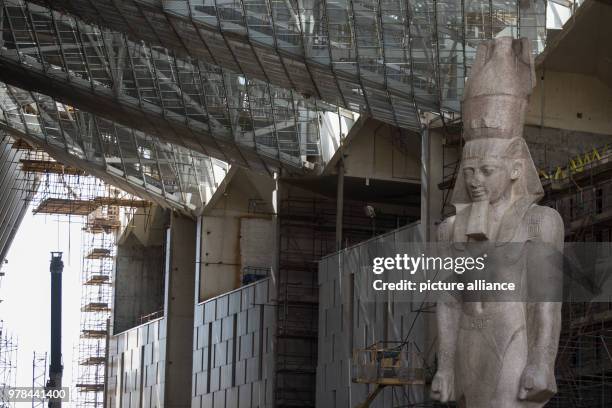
510,315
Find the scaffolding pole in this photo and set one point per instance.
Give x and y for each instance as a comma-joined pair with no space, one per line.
8,365
39,376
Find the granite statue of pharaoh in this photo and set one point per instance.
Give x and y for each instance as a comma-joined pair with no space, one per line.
500,352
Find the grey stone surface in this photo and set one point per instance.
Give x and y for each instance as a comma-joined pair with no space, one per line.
238,366
348,322
126,351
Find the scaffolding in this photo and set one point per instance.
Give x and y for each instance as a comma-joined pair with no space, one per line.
39,377
584,360
451,148
307,233
102,210
67,190
8,365
99,250
581,192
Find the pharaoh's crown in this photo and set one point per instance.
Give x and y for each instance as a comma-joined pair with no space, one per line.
496,95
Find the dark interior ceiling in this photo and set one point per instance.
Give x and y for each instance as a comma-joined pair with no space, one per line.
355,188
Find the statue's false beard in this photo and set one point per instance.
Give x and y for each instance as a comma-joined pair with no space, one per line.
478,221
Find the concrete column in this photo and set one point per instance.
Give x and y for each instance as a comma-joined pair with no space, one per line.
340,205
180,286
198,260
432,145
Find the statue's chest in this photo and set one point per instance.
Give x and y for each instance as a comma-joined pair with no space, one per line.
504,262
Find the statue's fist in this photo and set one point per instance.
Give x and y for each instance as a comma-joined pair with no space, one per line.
443,386
537,383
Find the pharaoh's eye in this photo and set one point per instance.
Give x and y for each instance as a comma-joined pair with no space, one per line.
487,170
468,171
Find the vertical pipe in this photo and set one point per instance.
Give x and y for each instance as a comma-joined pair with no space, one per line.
276,231
106,361
56,368
275,274
34,375
421,321
425,175
340,204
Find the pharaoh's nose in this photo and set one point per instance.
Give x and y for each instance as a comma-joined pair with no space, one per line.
476,180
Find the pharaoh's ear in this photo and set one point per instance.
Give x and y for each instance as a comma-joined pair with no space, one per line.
516,169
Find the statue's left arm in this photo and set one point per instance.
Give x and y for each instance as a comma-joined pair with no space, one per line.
545,289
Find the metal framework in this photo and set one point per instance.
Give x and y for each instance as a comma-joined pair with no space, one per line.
96,303
8,365
306,234
384,57
170,175
64,190
103,209
584,362
188,102
39,377
16,187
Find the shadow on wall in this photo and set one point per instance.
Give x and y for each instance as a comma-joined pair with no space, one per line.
139,272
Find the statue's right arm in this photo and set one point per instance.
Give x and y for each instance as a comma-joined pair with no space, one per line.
447,316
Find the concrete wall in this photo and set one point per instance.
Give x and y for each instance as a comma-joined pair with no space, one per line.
244,196
220,266
233,354
256,242
347,321
379,151
137,367
139,270
571,101
550,147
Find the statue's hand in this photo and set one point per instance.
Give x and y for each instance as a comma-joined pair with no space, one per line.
443,386
537,383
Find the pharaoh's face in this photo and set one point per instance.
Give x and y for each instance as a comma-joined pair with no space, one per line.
488,179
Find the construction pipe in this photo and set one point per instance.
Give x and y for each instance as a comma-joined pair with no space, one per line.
56,369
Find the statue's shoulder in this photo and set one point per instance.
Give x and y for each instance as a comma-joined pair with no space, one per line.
445,229
545,223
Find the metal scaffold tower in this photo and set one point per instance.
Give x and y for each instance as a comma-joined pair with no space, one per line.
99,241
39,376
8,365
